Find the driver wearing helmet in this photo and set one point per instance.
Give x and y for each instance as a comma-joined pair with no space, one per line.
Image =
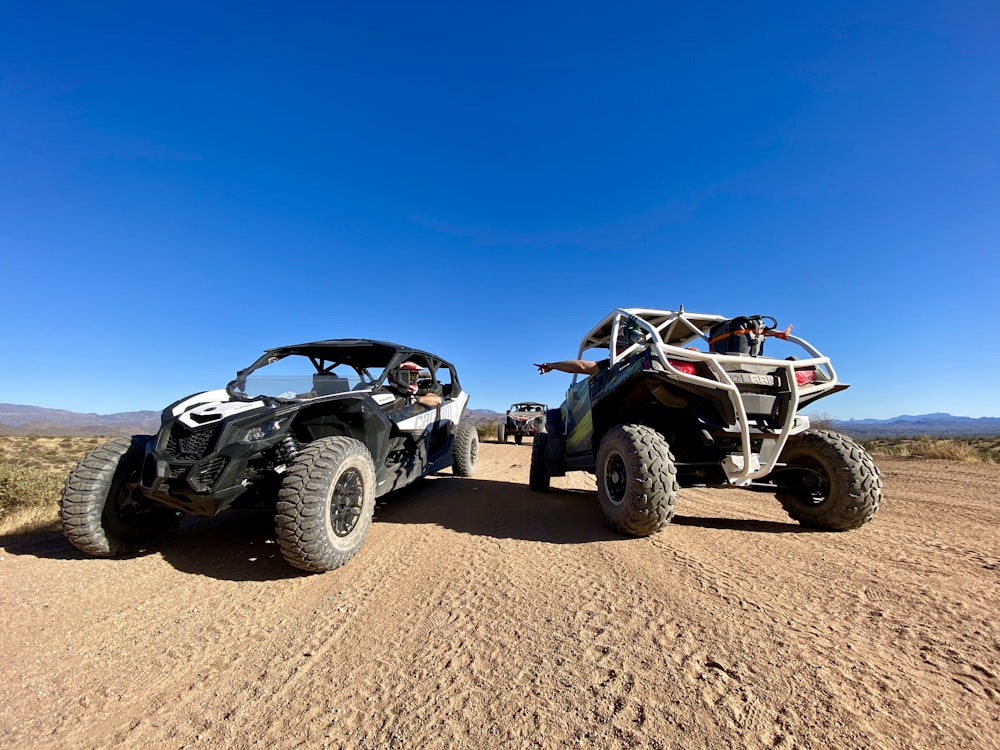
406,386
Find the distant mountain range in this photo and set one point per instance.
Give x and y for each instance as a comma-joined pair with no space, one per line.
932,425
16,419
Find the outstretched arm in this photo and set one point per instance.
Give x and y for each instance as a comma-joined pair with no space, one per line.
574,366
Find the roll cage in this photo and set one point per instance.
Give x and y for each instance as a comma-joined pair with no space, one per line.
372,361
527,406
668,338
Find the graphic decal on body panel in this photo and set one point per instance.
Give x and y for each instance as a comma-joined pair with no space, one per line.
208,397
450,411
206,413
380,398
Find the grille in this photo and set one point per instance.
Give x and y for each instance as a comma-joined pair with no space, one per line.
203,479
190,445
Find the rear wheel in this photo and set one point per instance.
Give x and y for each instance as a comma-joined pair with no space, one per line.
538,474
829,481
501,433
636,479
325,504
465,450
102,510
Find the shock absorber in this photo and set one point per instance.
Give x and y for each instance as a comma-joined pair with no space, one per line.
287,449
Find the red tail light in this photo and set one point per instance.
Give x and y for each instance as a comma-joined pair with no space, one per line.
688,368
804,377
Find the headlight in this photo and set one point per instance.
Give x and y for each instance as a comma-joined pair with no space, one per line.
263,431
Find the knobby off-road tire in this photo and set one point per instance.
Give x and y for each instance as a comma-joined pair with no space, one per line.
465,450
325,504
501,433
636,479
102,510
518,438
538,473
846,488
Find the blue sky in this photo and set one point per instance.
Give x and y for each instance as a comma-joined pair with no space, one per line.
184,185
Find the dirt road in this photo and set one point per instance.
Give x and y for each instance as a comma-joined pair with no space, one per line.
481,615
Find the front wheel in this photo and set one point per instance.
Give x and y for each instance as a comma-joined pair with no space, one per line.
325,504
518,438
465,450
102,510
538,473
636,479
828,482
501,433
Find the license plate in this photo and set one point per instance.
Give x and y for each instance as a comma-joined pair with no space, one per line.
749,378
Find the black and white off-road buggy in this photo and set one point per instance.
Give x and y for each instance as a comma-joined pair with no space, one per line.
682,400
523,419
315,432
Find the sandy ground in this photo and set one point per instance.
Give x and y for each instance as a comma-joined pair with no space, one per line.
479,614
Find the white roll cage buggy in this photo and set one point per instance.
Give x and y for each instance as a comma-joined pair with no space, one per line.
669,336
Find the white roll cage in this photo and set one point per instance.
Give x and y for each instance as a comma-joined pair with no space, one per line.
669,333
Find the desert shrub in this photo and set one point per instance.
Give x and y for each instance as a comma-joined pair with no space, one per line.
953,450
487,430
881,447
963,450
51,455
24,487
821,422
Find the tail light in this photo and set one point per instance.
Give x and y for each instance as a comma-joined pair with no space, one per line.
688,368
805,376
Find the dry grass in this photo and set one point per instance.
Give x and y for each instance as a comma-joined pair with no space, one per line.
32,472
487,430
22,487
55,455
965,450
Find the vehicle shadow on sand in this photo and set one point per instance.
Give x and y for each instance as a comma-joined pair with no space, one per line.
741,524
238,546
233,546
498,509
47,542
510,510
241,546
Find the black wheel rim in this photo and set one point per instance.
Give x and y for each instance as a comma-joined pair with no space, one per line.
129,505
346,502
615,478
813,483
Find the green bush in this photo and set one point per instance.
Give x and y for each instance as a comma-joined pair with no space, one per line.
24,487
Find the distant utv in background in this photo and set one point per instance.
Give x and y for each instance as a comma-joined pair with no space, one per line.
311,432
680,399
525,418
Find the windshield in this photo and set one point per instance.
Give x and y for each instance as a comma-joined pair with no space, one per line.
296,377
